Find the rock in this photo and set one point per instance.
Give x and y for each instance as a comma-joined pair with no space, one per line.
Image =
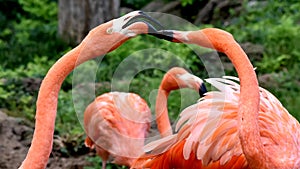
31,85
269,80
16,137
12,149
254,51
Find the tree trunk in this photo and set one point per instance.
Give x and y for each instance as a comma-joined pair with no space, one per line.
78,17
218,10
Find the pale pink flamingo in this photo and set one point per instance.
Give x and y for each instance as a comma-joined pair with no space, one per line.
117,124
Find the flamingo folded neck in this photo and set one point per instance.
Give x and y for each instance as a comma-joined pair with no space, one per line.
161,110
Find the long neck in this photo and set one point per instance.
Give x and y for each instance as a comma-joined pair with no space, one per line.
161,110
248,108
249,97
41,145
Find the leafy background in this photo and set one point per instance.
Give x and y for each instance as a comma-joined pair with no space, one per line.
29,45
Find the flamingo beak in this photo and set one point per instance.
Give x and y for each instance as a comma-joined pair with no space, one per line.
154,27
199,85
202,90
141,16
135,23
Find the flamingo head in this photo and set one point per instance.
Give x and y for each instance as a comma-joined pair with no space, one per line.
135,23
178,77
110,35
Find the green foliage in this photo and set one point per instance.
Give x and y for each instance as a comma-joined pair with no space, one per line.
273,24
186,2
287,88
147,51
282,49
95,161
45,10
14,94
34,33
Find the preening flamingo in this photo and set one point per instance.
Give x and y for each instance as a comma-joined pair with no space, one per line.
240,126
117,123
102,39
174,79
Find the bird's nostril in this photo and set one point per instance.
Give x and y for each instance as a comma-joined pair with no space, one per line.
126,18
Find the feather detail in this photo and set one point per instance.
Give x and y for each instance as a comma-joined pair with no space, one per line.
161,145
208,130
109,122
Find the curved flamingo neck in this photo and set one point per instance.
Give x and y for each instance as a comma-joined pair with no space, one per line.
161,111
176,78
41,145
168,84
249,97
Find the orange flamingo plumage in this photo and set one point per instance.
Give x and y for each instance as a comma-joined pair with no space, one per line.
241,126
117,123
101,40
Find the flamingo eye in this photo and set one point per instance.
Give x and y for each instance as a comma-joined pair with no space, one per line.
109,30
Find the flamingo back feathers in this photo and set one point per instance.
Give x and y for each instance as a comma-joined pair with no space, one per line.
208,130
118,123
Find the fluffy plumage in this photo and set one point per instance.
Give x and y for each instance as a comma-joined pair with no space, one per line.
208,132
117,124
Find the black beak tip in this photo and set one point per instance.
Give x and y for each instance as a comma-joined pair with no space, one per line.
166,35
202,90
154,27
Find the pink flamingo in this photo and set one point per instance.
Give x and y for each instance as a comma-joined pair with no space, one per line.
102,39
117,123
241,126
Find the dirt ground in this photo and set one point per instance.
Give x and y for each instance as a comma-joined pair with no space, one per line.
15,138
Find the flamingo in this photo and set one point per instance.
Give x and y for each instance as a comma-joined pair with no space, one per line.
174,79
240,126
117,123
102,39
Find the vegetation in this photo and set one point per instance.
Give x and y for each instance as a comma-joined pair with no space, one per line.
29,45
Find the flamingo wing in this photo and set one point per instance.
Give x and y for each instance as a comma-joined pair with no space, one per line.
208,132
207,136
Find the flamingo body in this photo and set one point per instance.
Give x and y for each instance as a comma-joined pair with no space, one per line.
116,124
208,133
